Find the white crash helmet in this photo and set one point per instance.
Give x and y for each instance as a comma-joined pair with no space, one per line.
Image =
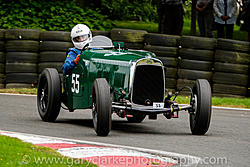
81,36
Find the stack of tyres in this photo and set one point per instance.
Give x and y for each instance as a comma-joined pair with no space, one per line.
231,72
22,46
53,48
165,48
196,60
2,60
133,39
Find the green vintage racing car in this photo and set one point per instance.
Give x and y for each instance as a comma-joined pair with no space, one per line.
111,79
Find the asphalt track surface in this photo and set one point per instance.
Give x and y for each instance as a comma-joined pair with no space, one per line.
227,143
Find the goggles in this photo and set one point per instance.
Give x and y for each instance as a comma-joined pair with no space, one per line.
81,38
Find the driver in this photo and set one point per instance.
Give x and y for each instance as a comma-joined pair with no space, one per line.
81,37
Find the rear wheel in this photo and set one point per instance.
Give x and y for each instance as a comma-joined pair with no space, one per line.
101,110
202,101
49,95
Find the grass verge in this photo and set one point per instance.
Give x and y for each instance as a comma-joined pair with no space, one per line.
153,27
220,101
16,153
217,101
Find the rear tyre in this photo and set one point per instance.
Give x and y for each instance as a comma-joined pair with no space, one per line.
101,110
49,95
137,118
201,114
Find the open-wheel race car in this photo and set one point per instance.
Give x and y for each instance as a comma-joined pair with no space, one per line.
111,79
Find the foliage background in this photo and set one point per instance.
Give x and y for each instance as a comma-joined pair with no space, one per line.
49,15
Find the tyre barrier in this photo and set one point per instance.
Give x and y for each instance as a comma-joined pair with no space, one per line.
196,59
231,68
53,48
224,62
22,47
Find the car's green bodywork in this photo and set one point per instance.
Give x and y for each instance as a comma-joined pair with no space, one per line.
113,64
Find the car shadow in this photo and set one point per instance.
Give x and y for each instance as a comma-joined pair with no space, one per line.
123,126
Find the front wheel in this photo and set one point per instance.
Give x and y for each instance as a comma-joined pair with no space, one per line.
202,103
102,105
49,94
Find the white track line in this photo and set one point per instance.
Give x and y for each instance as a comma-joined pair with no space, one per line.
192,160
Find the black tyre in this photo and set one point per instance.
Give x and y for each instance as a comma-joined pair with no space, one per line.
230,78
55,36
171,73
170,83
194,74
231,68
23,57
101,110
21,68
162,39
202,107
2,57
2,45
55,46
29,78
24,34
196,54
196,65
2,67
197,42
56,65
49,95
128,35
169,61
137,118
162,51
229,89
2,32
52,56
134,45
231,57
98,32
234,45
22,46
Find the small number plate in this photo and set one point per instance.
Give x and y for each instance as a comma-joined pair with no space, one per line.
158,105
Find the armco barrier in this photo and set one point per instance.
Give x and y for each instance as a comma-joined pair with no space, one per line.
24,53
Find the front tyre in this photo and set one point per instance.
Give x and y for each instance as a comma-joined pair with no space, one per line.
102,105
49,95
202,103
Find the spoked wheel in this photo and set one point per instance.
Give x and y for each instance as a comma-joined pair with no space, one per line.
49,94
102,105
137,118
202,103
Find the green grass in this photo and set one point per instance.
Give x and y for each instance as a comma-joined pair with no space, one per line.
31,91
153,28
15,153
217,101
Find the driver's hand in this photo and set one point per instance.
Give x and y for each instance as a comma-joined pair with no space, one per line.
77,59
